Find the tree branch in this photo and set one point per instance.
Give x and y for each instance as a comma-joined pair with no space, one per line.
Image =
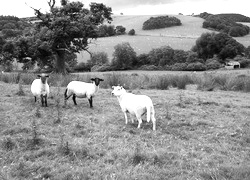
51,3
37,11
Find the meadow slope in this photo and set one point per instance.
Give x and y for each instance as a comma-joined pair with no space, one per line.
200,135
179,37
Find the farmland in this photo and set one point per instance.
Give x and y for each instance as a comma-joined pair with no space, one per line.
179,37
199,134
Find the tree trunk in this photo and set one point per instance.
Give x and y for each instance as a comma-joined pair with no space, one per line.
60,62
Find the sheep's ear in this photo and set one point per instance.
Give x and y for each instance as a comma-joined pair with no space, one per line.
92,79
39,75
47,76
101,80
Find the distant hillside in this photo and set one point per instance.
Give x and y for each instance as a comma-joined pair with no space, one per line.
178,37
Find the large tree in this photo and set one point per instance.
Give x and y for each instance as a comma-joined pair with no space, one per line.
220,44
68,29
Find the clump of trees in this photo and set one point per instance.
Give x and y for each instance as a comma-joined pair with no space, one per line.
160,22
226,23
105,30
220,44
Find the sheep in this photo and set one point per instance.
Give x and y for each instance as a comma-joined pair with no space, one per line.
135,105
40,87
82,89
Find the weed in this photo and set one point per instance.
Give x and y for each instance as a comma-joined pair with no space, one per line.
162,82
35,139
8,144
63,147
20,89
37,112
58,109
181,100
138,157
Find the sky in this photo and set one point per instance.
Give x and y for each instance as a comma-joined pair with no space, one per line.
22,8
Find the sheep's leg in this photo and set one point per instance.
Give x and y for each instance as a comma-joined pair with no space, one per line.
153,119
148,113
126,117
42,100
74,99
139,122
35,98
91,101
131,117
66,98
45,100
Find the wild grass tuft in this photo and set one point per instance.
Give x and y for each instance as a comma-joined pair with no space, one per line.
8,143
138,157
58,108
20,91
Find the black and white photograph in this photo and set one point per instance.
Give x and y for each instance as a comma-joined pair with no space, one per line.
124,90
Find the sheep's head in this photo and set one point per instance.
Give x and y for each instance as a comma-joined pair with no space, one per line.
118,90
96,80
43,77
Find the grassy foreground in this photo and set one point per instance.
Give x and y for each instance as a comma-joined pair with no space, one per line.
200,135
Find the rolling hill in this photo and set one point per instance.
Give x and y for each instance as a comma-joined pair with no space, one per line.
178,37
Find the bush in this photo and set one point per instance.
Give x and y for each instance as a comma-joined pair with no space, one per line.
102,68
99,58
214,64
131,32
105,31
196,67
160,22
120,30
179,67
149,67
244,63
82,67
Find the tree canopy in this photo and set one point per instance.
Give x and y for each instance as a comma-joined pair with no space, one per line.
67,29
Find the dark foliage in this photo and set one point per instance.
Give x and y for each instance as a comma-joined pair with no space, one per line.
120,30
131,32
160,22
106,30
226,23
221,44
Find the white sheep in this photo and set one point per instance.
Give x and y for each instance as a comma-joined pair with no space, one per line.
136,105
82,89
40,87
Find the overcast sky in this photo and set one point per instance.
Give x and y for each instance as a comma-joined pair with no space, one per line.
20,8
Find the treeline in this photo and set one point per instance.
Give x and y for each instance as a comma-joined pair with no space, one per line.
226,23
160,22
211,51
11,26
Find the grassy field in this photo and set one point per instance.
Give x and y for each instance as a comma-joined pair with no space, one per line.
179,37
200,135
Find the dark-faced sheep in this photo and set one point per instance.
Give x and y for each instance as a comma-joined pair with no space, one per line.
81,89
40,88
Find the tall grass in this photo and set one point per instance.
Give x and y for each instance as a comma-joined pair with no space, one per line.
205,81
